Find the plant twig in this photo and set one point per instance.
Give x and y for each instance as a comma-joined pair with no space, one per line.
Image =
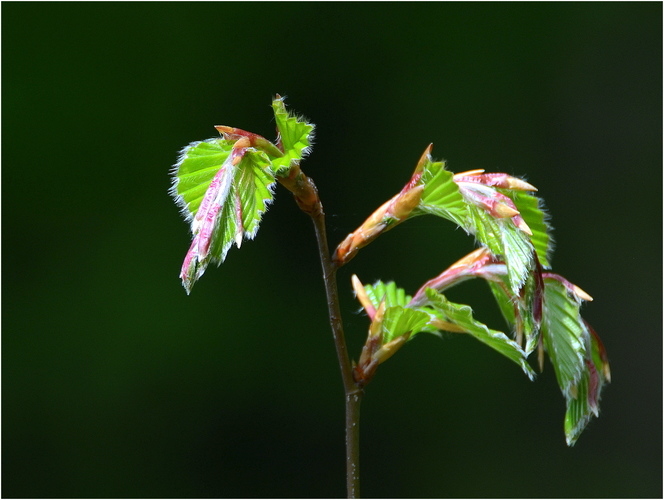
352,391
306,196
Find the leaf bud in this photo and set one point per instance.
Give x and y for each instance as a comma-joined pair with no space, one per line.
407,202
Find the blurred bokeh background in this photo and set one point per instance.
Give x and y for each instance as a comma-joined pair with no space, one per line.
117,384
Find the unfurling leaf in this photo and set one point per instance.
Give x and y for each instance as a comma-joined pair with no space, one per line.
522,310
224,208
397,318
295,137
224,185
392,325
530,208
479,263
496,222
482,204
441,196
576,352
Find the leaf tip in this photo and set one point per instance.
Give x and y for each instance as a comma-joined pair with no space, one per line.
424,159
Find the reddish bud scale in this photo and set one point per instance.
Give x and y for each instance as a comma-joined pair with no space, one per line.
571,287
386,351
606,370
238,151
251,139
540,354
496,204
211,193
388,215
488,200
405,203
232,133
501,198
362,236
447,326
424,159
187,265
593,387
414,180
539,292
362,374
499,180
205,233
362,296
479,262
303,188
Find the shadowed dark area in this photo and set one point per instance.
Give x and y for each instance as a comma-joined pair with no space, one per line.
115,383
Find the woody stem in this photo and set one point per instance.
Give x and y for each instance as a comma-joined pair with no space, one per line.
352,392
306,196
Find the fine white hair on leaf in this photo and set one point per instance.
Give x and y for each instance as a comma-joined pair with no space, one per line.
271,189
311,137
175,180
551,245
301,118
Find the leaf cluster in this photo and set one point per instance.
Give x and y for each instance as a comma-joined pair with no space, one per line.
224,185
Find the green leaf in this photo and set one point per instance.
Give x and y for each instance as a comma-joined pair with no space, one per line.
577,356
295,137
506,241
462,315
530,208
441,196
518,311
223,201
578,412
197,165
565,336
399,320
393,295
249,195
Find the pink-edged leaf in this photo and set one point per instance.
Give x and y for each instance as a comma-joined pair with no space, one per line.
238,185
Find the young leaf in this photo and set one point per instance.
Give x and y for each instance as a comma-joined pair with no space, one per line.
398,319
389,292
462,316
564,336
441,196
223,190
223,186
576,352
196,167
392,325
434,314
530,208
401,320
521,311
295,137
579,410
505,240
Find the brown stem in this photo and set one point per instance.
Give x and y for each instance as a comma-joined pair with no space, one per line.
306,196
353,392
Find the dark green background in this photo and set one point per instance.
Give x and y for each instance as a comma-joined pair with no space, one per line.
115,383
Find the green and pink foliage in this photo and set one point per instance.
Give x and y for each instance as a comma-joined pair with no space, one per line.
224,185
576,352
509,223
